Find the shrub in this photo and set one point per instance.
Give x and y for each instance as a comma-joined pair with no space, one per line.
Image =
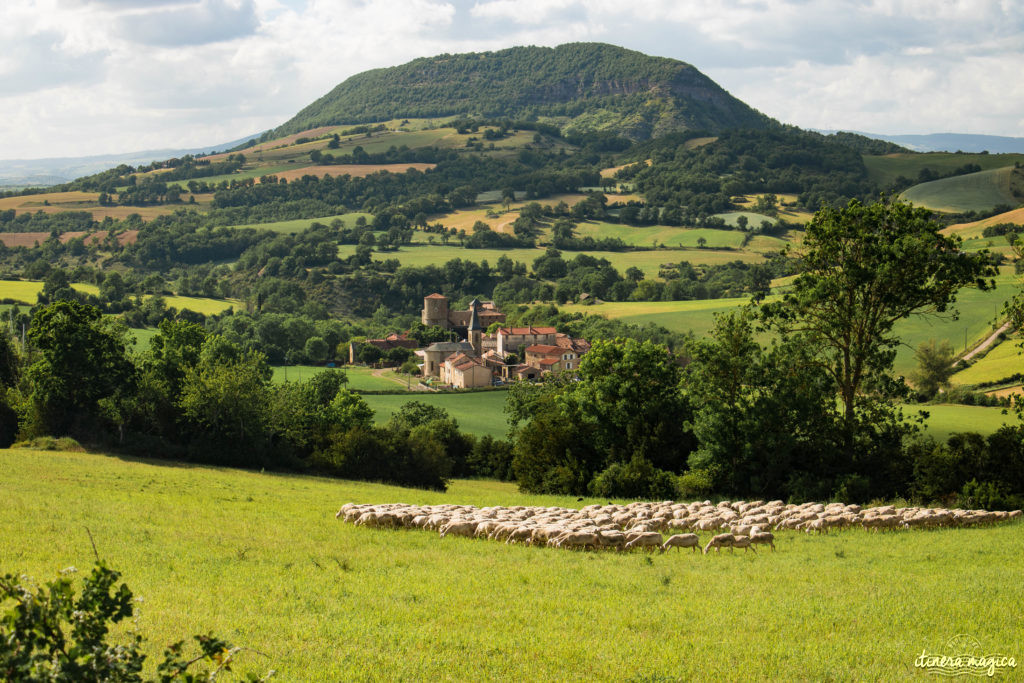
50,634
636,479
697,483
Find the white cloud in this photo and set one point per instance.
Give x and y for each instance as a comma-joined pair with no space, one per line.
92,76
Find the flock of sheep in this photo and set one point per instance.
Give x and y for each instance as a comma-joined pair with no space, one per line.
740,524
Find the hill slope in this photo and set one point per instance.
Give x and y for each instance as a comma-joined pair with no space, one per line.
582,85
979,191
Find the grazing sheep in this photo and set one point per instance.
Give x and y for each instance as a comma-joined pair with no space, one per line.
759,537
682,541
458,527
742,542
649,540
720,541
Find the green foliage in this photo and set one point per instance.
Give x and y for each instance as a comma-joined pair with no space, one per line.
51,634
763,418
934,366
864,268
81,359
636,479
625,408
602,86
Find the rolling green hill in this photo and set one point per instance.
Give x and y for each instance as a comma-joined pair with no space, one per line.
979,191
885,169
583,85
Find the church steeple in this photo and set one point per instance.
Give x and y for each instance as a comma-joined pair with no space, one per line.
475,331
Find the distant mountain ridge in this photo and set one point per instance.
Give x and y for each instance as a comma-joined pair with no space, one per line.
951,142
57,170
581,86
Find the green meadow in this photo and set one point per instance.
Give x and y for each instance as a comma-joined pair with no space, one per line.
297,226
360,378
27,291
945,419
480,412
972,192
885,169
977,312
999,363
259,559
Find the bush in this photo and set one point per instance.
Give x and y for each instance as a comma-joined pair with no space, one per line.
987,495
50,634
696,483
637,479
49,443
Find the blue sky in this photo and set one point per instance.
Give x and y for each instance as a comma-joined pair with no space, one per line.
82,77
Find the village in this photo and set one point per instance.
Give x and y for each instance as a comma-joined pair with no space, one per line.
481,358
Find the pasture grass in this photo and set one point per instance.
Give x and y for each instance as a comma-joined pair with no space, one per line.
972,192
298,225
948,418
885,169
27,291
479,412
1000,362
259,559
360,378
668,236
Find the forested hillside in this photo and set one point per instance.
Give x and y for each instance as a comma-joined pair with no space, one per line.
586,86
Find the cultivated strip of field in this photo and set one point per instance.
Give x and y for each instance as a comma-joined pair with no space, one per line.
354,170
58,202
974,230
336,601
650,262
32,239
1001,362
972,192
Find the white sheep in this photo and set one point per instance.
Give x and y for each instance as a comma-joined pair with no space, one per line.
682,541
720,541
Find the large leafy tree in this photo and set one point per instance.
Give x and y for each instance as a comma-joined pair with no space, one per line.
80,358
864,268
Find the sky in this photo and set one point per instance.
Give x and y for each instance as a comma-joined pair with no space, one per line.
84,77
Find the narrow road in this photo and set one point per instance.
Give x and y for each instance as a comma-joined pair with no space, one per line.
985,344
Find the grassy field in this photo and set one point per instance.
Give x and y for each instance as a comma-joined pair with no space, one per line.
972,192
27,291
359,378
679,316
55,202
946,419
977,312
661,235
479,413
885,169
1001,362
296,226
258,558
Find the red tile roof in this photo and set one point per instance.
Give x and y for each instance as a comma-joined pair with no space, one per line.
526,330
436,296
545,350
